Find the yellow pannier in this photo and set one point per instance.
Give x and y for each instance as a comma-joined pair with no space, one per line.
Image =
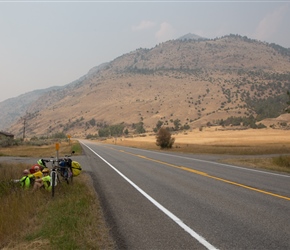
76,168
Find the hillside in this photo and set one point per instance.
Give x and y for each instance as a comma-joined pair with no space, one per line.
196,82
13,108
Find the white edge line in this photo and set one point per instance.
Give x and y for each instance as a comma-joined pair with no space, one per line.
163,209
216,163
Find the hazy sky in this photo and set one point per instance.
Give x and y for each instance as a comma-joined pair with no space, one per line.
52,43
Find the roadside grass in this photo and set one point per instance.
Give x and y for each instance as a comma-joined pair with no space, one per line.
269,163
73,219
76,147
233,150
41,150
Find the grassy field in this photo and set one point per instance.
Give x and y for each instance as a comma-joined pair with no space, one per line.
255,147
238,142
73,219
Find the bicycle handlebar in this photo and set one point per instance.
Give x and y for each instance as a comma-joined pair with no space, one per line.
60,159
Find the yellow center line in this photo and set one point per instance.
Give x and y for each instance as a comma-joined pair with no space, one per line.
209,176
250,188
193,171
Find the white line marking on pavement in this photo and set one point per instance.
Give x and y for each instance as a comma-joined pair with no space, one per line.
215,163
163,209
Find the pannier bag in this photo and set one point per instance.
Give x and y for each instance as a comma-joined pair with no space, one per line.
76,168
63,166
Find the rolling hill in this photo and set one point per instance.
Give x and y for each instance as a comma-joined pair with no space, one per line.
188,82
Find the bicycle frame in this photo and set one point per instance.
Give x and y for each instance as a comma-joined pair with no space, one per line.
60,173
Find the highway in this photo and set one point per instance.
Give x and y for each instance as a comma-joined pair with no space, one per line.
160,200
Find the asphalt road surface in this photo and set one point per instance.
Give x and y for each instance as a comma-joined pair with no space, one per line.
160,200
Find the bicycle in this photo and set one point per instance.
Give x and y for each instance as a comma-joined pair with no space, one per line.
61,170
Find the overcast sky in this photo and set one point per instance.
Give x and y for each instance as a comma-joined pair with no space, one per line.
52,43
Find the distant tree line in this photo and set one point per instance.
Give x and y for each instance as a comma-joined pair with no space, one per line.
269,107
249,122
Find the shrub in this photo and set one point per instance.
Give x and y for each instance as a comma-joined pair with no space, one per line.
104,132
92,122
164,139
91,136
59,135
8,142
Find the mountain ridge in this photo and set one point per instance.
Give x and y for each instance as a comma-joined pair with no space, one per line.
15,107
195,81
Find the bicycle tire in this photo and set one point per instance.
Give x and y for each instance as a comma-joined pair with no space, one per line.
63,175
71,175
53,180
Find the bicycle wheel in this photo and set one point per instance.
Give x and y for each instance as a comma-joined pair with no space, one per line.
53,182
70,175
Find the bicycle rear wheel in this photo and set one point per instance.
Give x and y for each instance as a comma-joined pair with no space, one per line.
69,178
53,182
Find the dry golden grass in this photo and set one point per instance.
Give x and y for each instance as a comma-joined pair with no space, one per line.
36,151
211,140
33,220
17,209
260,144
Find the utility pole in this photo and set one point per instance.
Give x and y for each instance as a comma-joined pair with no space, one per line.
24,123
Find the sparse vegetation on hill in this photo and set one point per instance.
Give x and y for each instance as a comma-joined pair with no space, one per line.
194,82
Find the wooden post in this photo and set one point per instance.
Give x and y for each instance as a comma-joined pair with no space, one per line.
57,149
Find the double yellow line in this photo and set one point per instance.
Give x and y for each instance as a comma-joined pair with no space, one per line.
210,176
